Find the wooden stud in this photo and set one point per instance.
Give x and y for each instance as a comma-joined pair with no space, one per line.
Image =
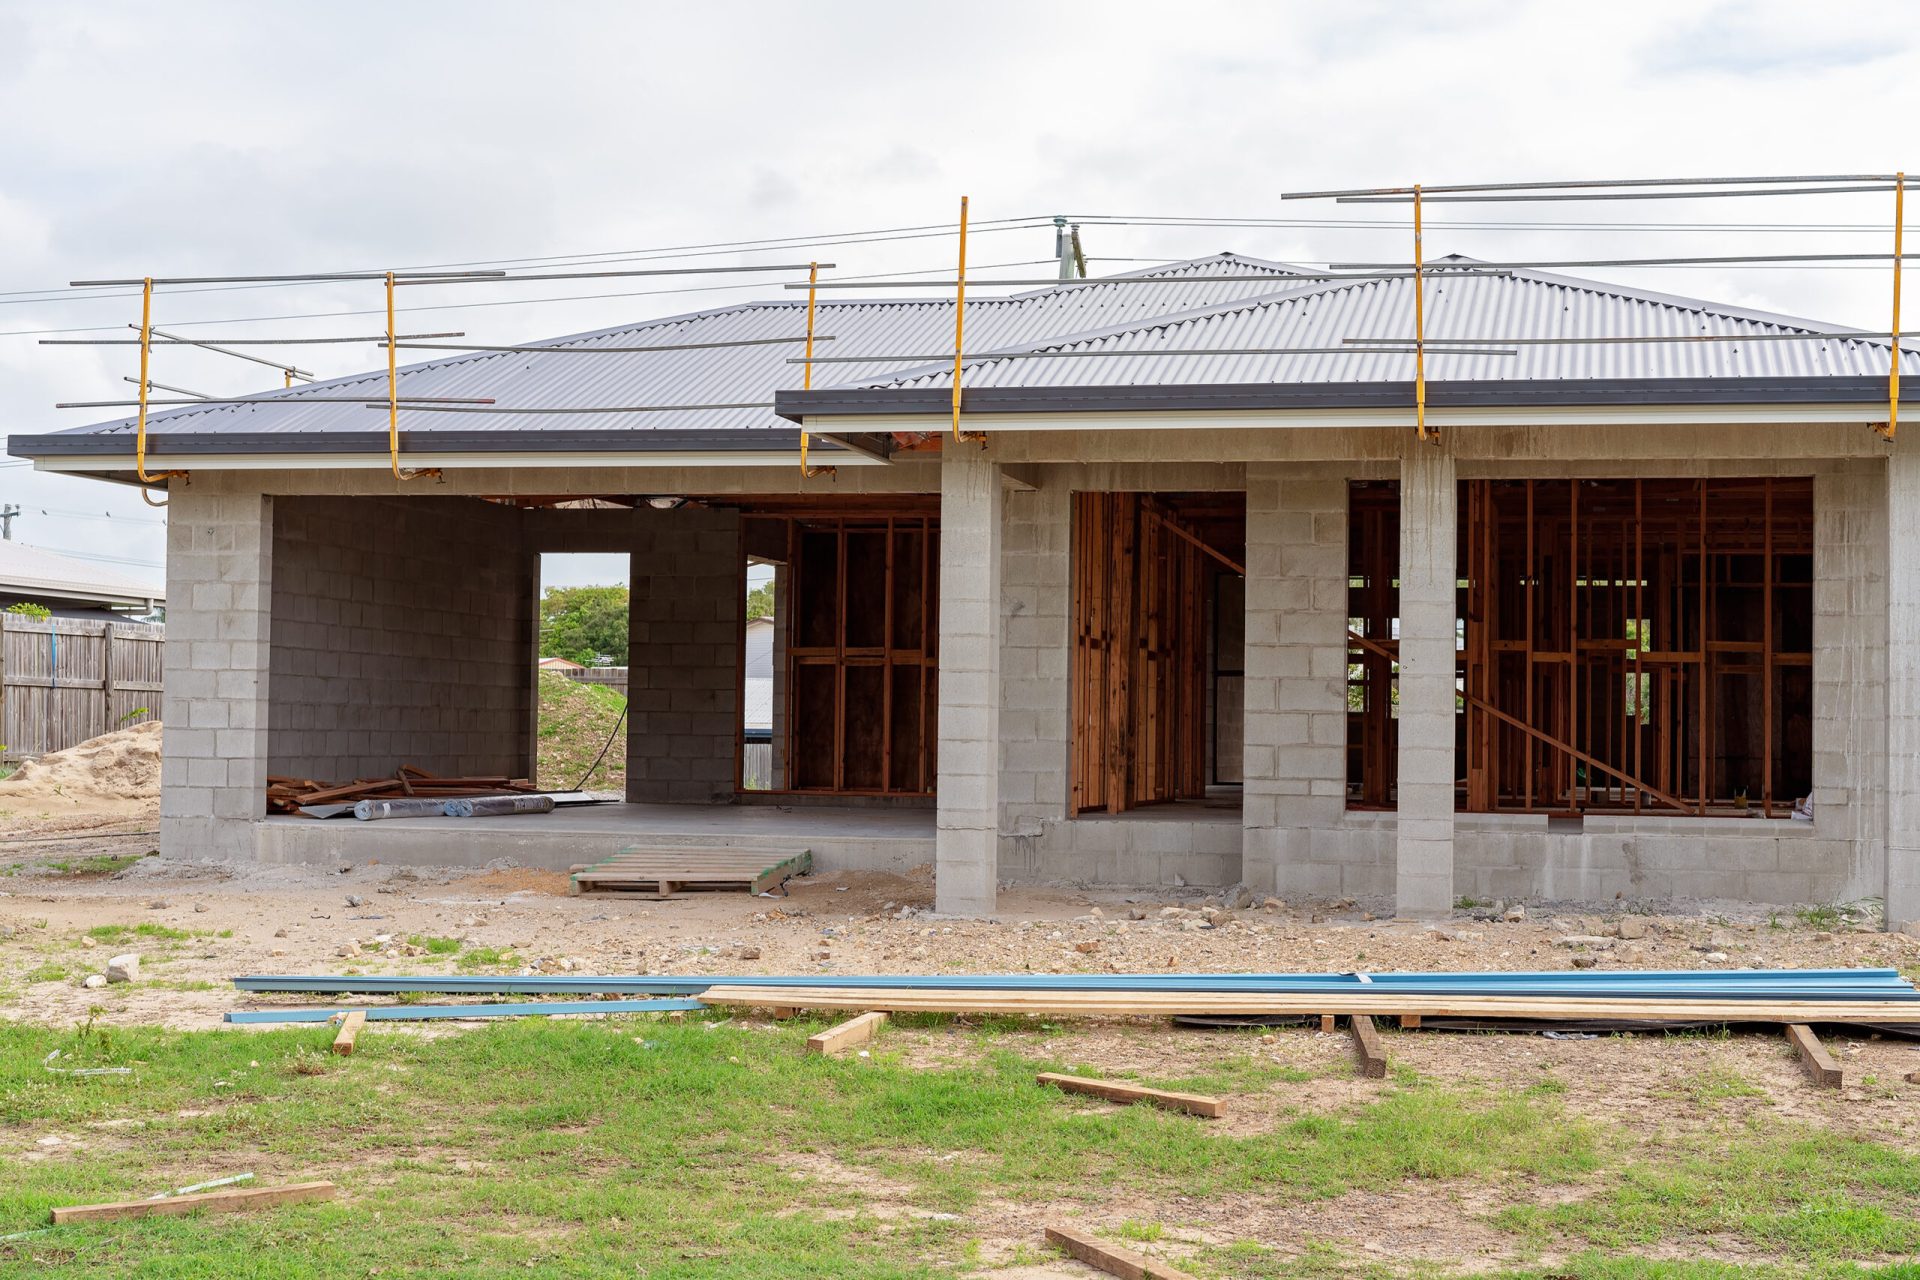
1111,1259
1366,1043
1326,1024
856,1030
1409,1022
227,1201
350,1026
1194,1104
1820,1066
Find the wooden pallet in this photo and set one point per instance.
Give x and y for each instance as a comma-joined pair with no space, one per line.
662,873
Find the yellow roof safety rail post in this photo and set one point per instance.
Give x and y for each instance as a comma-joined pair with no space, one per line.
140,430
1419,330
1893,374
960,330
806,373
393,398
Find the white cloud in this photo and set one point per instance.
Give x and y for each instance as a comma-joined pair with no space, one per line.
238,137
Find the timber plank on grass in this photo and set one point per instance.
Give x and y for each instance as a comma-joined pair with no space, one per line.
1820,1066
1111,1259
1195,1104
211,1202
1373,1002
665,872
1366,1044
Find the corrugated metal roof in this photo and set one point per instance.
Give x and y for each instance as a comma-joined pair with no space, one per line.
1095,314
37,573
893,326
1459,305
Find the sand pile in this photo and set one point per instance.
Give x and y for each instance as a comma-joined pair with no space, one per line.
116,772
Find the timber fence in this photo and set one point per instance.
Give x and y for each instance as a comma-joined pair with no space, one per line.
64,680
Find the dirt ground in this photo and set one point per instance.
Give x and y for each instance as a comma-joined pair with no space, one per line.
360,918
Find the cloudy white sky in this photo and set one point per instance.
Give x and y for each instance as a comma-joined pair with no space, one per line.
237,138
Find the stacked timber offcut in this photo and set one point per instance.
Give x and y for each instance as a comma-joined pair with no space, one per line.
297,795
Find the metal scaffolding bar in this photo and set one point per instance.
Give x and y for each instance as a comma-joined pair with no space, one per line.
610,275
959,318
1461,188
1893,362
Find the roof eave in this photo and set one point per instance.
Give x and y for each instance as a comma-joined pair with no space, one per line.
800,406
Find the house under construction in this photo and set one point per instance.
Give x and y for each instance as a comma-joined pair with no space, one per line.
1188,599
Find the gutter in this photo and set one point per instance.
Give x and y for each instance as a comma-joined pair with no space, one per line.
1850,394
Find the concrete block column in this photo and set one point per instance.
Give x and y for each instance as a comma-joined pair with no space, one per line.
1423,853
1903,681
683,655
1294,747
213,775
967,846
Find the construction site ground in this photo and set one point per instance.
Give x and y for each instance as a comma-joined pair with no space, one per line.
717,1147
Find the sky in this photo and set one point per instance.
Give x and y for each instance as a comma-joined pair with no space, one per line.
240,138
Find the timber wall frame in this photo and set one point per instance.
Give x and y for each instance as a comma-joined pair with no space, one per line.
863,627
1638,645
1143,586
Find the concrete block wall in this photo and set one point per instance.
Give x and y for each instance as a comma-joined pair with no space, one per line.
402,633
683,662
1903,681
1036,656
1423,853
1041,840
1849,688
213,773
1297,841
967,840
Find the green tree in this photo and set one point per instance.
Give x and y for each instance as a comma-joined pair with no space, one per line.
760,601
587,625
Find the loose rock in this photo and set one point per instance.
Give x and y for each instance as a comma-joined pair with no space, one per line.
124,968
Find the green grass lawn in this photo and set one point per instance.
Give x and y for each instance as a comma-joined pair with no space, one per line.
634,1147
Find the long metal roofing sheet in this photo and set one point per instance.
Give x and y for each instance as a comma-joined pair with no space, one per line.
1483,307
890,326
1104,313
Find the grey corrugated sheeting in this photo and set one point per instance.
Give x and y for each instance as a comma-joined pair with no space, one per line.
1092,314
891,326
1459,305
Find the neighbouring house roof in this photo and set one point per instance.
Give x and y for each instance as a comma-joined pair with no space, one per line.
49,578
562,664
1283,308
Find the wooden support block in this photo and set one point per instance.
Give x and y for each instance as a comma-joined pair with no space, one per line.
1326,1023
1409,1022
349,1030
676,1015
784,1012
1194,1104
228,1201
1366,1042
1111,1259
849,1033
1821,1068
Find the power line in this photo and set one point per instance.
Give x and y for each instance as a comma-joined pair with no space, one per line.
500,302
927,231
63,513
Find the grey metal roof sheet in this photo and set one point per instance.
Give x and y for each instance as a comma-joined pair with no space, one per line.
1482,306
1091,315
34,571
887,326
